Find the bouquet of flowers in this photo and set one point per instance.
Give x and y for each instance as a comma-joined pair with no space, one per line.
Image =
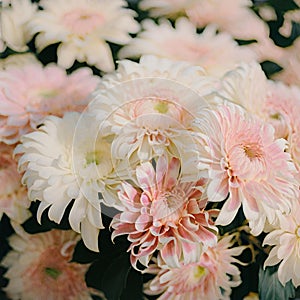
149,149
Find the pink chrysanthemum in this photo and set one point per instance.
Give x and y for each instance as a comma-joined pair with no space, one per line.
39,267
209,275
163,213
13,196
249,164
30,93
286,241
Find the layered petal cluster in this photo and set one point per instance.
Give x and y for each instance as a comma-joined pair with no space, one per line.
249,164
149,107
228,15
15,18
163,213
13,196
82,28
274,102
286,241
30,92
184,43
67,160
40,267
207,275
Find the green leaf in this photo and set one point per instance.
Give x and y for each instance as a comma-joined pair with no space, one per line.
270,288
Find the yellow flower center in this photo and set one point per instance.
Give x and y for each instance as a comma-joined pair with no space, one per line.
298,231
199,272
161,107
252,151
94,157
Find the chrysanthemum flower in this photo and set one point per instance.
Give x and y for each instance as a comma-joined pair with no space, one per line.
17,60
30,92
163,213
286,241
208,275
40,267
183,43
149,106
13,196
65,160
15,19
82,28
247,163
228,15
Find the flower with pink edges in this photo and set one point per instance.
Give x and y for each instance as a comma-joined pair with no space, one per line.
247,163
40,267
285,240
13,196
163,213
83,27
31,92
206,275
184,43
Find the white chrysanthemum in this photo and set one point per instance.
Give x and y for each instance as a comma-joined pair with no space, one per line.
15,19
17,60
83,27
150,106
66,160
184,43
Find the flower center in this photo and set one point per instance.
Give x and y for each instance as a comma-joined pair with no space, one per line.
298,231
82,22
199,272
252,151
168,206
94,157
53,273
276,116
161,107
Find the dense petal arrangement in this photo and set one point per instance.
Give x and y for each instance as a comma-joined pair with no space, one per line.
15,17
13,196
82,28
63,161
208,275
183,43
40,267
249,164
149,107
163,213
285,240
31,92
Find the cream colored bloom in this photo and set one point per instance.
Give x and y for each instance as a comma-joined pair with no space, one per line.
64,160
286,241
40,267
15,19
82,28
13,196
17,60
185,44
150,106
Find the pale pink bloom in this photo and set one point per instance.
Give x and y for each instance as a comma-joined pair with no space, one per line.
274,102
247,163
82,28
163,213
286,241
232,16
13,196
150,107
15,16
207,275
65,160
30,92
184,43
40,267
